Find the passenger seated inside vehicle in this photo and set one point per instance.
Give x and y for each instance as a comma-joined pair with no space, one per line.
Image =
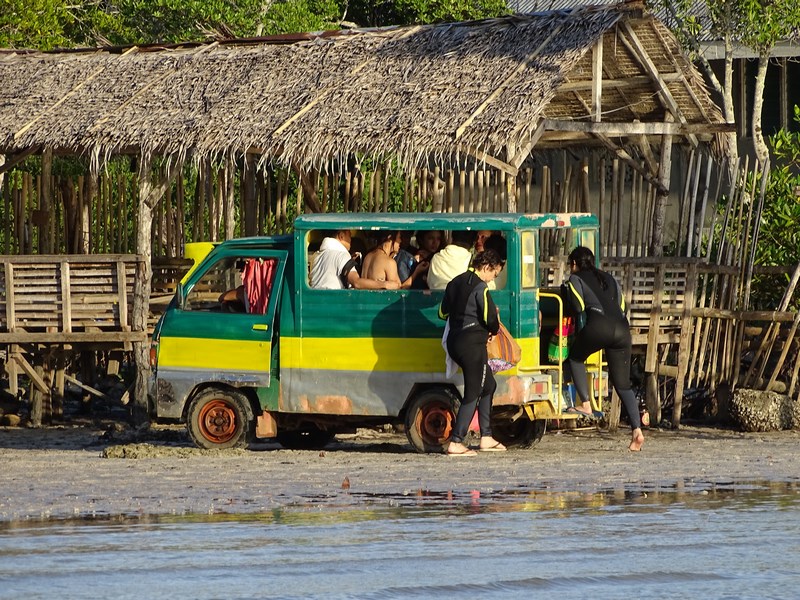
430,242
497,243
335,267
380,265
452,260
252,295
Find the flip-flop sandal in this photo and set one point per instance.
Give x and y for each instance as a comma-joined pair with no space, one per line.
498,447
467,452
575,411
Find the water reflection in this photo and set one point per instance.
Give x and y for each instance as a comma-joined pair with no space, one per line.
719,540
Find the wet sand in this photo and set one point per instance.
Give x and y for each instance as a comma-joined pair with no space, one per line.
82,472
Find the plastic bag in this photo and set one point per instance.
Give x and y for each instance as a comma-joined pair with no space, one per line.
558,348
503,350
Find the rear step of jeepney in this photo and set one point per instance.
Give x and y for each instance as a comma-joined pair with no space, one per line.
546,396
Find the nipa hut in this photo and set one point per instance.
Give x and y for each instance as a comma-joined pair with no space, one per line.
447,98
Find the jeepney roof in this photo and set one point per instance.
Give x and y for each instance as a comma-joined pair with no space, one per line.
282,241
475,221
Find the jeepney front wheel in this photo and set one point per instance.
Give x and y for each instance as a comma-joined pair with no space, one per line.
219,419
430,419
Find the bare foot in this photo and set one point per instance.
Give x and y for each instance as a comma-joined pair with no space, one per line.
637,440
458,449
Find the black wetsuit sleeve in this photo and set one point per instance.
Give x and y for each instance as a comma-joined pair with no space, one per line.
487,309
444,307
576,303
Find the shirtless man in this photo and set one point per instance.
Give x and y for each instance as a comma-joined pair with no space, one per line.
333,257
379,264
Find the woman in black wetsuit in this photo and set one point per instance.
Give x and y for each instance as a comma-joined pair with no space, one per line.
472,317
598,295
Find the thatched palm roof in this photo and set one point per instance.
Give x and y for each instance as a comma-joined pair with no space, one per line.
418,93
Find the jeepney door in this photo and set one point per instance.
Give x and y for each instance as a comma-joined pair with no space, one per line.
223,327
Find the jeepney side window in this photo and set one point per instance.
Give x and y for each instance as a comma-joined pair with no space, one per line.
529,266
234,285
588,238
358,249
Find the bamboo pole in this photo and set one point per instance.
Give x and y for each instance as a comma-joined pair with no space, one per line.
684,344
632,214
361,179
754,238
471,191
768,341
197,219
448,197
386,174
46,203
693,204
284,201
793,380
269,213
786,346
543,198
7,204
684,202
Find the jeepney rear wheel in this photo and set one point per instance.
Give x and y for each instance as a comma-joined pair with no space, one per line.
430,418
522,433
219,419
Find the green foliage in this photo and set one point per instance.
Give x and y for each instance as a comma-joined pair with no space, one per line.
768,22
406,12
302,15
48,24
779,238
34,23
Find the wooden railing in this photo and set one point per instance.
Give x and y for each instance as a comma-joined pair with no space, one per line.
67,298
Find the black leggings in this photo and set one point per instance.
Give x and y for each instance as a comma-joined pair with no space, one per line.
468,349
614,337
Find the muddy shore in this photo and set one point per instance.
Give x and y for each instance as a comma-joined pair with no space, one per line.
85,472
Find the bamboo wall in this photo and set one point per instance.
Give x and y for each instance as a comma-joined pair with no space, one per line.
212,202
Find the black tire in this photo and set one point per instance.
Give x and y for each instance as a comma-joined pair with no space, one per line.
219,419
308,437
430,418
522,433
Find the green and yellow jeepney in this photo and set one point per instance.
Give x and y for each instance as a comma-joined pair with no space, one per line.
302,364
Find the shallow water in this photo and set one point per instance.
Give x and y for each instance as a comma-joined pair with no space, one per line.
710,541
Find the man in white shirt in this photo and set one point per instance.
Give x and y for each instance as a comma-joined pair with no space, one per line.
333,257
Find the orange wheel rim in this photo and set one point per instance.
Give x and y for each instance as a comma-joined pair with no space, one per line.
435,423
217,421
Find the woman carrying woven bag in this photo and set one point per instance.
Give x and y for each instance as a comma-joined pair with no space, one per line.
472,318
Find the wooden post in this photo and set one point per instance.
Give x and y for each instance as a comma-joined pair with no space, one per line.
448,198
685,342
149,195
90,190
611,238
46,203
511,192
7,211
230,191
662,194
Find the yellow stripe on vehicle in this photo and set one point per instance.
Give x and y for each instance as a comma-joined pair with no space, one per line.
401,355
418,355
214,354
